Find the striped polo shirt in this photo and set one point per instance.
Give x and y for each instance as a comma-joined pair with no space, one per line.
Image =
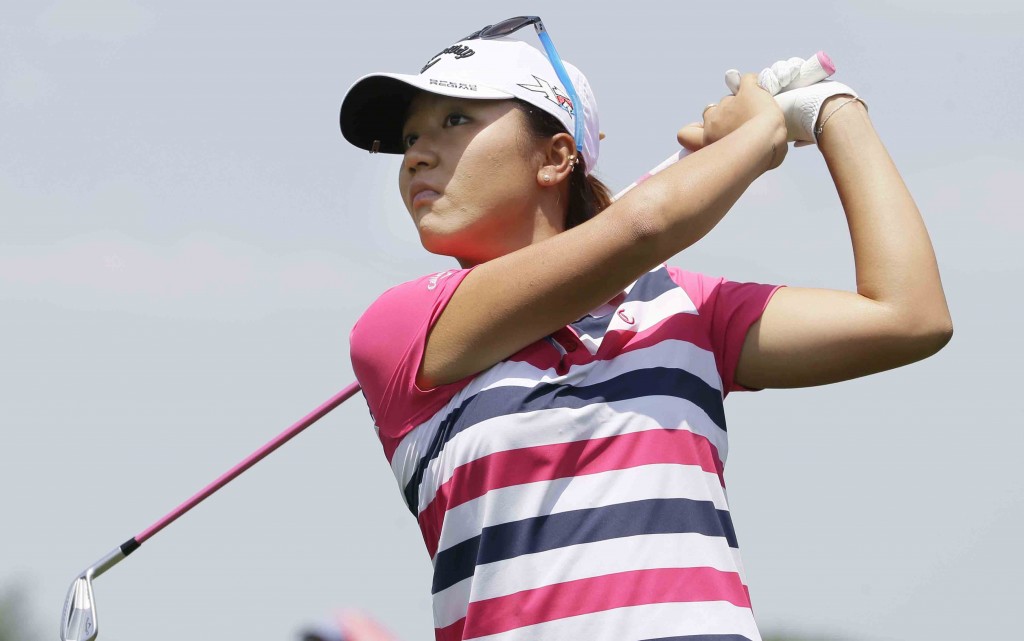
575,490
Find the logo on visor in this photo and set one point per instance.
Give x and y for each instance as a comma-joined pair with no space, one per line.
453,85
552,93
459,51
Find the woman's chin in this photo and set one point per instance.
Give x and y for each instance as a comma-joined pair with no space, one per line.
451,244
438,241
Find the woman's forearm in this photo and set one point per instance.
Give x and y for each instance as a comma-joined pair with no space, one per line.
685,201
895,262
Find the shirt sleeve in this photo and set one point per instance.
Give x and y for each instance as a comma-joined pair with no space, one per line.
386,346
729,309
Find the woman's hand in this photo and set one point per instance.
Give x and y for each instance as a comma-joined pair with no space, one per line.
750,102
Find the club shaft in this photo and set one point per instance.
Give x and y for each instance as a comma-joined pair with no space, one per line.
249,461
308,420
292,431
299,426
305,422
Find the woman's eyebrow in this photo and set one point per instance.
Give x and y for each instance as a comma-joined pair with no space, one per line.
441,108
459,103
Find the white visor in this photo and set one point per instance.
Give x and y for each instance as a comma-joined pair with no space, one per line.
373,111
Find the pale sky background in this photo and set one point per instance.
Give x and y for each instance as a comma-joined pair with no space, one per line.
186,240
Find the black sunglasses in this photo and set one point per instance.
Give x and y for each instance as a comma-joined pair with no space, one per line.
506,27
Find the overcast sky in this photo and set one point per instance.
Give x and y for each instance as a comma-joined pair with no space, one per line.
186,240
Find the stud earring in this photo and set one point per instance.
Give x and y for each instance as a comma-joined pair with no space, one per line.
547,178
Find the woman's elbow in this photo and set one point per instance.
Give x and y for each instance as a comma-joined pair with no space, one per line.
932,337
640,215
944,333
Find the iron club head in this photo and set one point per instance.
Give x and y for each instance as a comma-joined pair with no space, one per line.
79,620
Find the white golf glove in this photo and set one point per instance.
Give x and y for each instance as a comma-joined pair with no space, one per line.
800,105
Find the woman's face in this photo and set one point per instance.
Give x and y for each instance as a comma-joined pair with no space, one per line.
469,176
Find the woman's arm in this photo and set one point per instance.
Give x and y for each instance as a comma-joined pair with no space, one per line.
509,302
897,316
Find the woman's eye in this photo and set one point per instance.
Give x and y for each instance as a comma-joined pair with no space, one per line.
453,119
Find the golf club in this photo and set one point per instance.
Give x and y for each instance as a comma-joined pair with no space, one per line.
79,622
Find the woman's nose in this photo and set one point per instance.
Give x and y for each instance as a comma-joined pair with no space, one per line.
420,156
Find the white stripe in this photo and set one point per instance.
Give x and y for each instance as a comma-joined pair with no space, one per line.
407,455
567,425
451,604
645,314
669,353
583,561
517,502
651,621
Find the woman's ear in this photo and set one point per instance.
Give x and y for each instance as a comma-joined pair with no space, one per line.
559,159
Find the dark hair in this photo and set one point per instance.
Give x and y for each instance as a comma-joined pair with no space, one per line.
588,196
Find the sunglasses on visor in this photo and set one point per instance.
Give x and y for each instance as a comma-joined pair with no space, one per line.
506,27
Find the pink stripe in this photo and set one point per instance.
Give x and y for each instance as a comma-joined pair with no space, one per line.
451,632
597,594
249,461
681,327
540,354
562,460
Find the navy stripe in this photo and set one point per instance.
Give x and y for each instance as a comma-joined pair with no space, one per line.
548,532
651,285
703,637
595,328
505,401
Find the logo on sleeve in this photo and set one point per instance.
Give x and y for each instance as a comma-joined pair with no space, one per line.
432,281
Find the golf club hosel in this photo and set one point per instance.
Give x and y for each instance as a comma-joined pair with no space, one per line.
110,560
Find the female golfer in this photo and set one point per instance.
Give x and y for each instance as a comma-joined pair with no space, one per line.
553,409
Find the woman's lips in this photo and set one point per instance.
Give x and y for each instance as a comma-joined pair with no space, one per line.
425,196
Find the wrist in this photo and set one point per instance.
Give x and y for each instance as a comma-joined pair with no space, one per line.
849,127
776,133
831,110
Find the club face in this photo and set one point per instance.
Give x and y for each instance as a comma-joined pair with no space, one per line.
79,620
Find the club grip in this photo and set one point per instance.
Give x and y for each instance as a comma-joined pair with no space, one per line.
814,69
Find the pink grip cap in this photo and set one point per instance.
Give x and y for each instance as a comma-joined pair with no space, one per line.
826,62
